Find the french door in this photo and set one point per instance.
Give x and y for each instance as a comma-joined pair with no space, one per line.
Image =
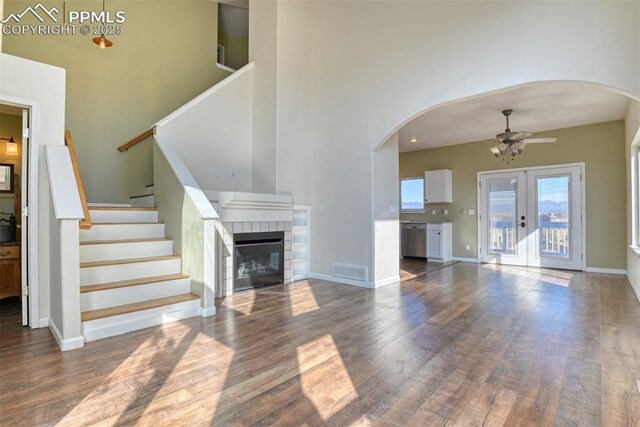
532,217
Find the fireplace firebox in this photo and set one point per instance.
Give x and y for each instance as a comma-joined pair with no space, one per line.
258,260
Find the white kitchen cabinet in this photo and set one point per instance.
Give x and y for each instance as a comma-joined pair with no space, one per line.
439,241
438,186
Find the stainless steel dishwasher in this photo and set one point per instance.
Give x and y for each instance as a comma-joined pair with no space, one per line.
414,240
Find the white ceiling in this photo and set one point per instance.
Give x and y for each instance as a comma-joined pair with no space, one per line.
536,108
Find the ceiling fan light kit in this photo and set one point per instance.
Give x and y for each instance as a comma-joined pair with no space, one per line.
509,144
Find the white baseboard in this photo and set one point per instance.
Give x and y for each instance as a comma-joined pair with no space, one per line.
341,280
387,281
65,344
43,322
634,286
208,312
299,277
463,259
606,270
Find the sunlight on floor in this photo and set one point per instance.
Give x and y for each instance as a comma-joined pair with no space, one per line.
553,277
301,299
246,305
325,382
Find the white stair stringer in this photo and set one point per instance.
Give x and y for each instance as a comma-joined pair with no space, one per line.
129,269
123,249
124,215
120,324
115,231
99,299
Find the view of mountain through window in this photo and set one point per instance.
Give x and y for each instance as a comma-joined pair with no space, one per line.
412,194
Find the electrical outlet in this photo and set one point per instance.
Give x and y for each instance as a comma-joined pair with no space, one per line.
472,212
468,247
392,209
318,260
433,212
446,212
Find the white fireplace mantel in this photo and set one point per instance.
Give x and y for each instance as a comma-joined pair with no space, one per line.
234,206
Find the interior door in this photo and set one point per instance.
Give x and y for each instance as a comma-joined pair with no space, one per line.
503,210
555,218
24,235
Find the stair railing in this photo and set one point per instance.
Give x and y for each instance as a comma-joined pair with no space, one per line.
85,224
144,135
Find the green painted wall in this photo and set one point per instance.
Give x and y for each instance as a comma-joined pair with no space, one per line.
601,146
165,57
236,49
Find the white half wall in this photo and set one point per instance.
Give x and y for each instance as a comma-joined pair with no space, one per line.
44,85
632,135
386,216
213,131
368,67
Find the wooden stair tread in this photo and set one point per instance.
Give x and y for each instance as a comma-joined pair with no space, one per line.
116,208
133,282
107,242
141,195
138,306
127,261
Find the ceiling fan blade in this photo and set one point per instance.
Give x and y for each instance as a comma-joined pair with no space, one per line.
520,136
539,140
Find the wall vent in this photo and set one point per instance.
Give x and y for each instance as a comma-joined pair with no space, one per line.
348,271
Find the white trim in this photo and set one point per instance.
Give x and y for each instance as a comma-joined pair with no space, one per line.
367,285
69,343
225,68
208,312
583,187
43,322
388,281
204,95
32,220
463,259
635,249
64,193
606,270
636,289
299,277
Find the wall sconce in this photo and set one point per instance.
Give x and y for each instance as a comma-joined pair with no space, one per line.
12,147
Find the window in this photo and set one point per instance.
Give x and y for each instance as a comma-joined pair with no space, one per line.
635,198
412,194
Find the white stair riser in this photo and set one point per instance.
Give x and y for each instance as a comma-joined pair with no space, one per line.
116,325
137,270
114,251
122,231
143,202
149,190
132,294
110,215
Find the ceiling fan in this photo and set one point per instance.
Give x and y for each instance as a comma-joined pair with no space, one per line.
509,144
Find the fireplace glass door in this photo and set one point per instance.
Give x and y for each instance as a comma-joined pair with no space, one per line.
258,263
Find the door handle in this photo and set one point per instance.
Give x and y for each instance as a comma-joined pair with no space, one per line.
522,224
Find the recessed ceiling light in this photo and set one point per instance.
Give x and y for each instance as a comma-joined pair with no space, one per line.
413,140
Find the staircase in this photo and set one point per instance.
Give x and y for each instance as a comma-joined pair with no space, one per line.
129,277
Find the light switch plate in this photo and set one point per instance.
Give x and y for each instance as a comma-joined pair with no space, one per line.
472,211
433,212
468,247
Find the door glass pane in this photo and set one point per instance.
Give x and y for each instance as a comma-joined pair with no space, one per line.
503,216
553,216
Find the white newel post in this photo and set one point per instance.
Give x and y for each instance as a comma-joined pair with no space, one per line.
70,284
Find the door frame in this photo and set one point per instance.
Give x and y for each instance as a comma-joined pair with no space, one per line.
30,183
583,181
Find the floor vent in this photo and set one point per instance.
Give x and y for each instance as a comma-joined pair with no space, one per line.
348,271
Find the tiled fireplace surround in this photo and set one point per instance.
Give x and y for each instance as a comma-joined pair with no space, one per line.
250,213
228,229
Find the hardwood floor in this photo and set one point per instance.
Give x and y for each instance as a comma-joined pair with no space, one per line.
458,344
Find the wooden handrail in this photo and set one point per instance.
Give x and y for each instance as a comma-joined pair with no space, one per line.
85,224
146,134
